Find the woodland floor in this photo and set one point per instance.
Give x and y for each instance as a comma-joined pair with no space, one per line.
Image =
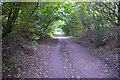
61,57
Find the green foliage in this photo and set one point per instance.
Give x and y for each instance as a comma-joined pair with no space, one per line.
34,21
99,17
14,59
98,40
5,68
78,22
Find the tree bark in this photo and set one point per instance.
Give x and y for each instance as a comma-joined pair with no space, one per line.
11,19
16,14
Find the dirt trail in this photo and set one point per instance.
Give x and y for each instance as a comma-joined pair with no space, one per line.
65,59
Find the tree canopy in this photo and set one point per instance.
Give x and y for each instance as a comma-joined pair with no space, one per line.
34,20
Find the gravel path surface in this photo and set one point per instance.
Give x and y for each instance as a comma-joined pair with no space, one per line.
64,59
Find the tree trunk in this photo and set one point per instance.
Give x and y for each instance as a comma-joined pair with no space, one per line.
11,19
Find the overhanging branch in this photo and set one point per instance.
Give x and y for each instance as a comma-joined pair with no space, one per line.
110,9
